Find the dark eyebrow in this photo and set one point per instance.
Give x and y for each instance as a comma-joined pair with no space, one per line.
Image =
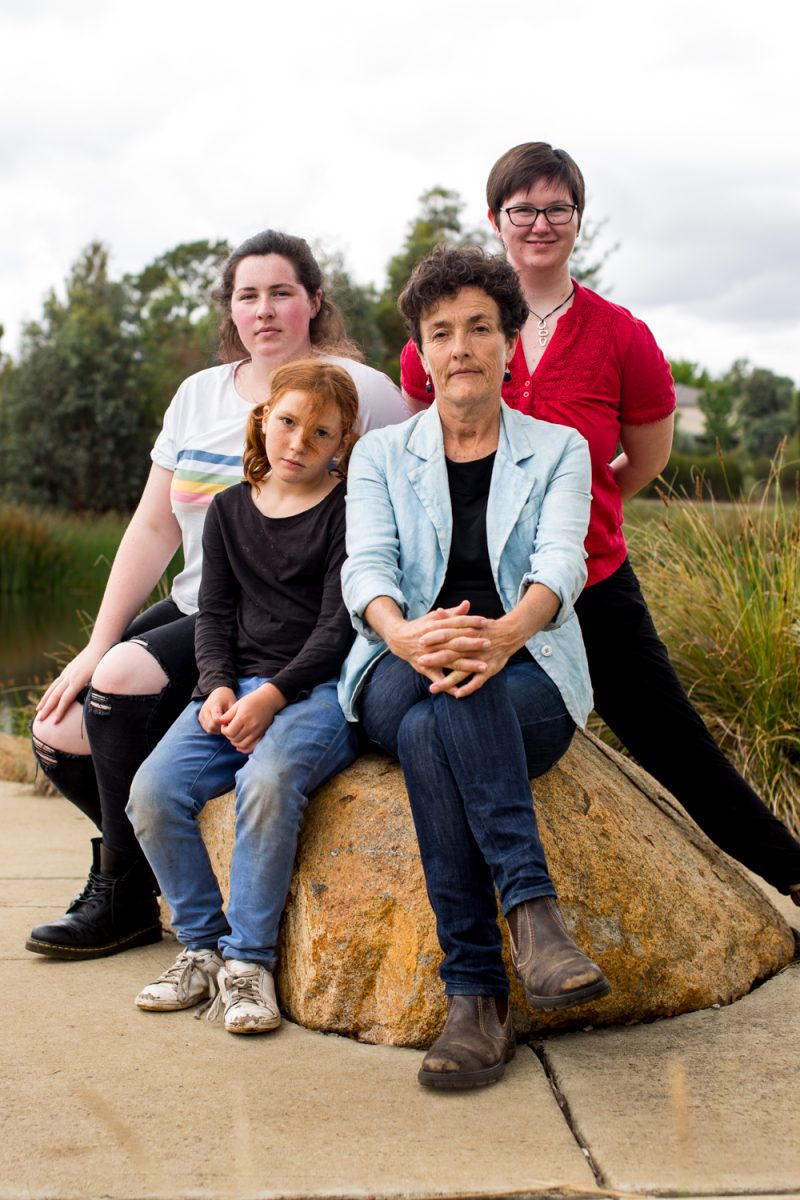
251,287
443,322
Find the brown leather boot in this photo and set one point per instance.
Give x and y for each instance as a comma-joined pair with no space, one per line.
554,971
473,1048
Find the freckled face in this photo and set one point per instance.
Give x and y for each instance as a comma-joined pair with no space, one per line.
271,309
300,443
464,347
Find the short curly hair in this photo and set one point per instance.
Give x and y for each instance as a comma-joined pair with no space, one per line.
447,270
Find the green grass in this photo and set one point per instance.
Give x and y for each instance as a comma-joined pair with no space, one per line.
43,551
723,585
50,551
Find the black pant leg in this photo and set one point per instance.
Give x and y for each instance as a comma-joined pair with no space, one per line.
641,699
123,730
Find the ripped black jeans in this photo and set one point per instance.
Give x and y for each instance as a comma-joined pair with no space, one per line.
122,730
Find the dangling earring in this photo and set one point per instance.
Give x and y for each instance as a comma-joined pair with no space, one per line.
506,376
428,385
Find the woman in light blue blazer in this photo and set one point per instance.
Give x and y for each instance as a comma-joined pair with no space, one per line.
465,530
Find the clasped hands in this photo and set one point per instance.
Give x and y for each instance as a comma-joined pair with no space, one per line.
243,722
458,651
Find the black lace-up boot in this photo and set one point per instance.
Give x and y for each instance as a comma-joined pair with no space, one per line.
117,909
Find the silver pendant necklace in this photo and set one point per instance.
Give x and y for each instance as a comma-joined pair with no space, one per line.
544,332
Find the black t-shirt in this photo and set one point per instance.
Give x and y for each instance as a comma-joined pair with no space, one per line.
271,597
469,571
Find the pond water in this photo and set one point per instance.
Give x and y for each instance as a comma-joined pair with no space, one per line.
32,629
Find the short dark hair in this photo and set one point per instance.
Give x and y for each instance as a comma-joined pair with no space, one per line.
524,165
449,269
326,330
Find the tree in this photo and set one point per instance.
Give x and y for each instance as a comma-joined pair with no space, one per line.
582,265
765,407
717,404
689,373
78,435
438,220
6,372
174,320
356,301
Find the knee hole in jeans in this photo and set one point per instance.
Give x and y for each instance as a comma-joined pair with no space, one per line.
45,755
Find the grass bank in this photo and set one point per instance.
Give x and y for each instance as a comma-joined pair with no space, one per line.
723,584
44,551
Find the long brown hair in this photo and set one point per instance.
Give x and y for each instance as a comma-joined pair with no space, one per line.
326,330
326,384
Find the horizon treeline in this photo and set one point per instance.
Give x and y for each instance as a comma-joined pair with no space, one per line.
83,402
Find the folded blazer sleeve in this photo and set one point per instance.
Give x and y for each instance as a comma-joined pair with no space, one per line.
559,559
373,549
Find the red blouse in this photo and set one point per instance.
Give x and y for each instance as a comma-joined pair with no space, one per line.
602,369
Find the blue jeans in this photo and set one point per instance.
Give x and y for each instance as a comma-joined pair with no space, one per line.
305,745
467,765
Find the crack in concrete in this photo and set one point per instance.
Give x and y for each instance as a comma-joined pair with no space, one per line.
538,1048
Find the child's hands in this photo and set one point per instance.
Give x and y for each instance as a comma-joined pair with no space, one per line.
248,719
216,709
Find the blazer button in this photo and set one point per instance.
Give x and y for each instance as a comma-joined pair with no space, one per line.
547,651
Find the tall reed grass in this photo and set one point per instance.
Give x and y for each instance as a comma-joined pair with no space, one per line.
723,584
51,551
30,557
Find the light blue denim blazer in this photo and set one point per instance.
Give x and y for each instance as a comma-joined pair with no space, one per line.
399,529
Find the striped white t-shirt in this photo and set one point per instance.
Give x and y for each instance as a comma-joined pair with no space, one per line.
202,440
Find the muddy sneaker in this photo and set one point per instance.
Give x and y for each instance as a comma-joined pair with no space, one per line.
191,979
248,994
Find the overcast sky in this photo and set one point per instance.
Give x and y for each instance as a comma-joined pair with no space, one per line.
153,123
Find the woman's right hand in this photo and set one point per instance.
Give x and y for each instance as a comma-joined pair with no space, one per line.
459,642
66,688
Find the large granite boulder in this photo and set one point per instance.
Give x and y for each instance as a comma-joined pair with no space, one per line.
675,925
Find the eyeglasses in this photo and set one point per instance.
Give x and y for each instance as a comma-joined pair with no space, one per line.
554,214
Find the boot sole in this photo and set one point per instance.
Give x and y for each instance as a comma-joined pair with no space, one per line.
454,1080
592,991
143,937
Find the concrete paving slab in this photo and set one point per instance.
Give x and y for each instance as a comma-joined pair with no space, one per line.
16,921
165,1105
43,836
701,1104
38,893
99,1099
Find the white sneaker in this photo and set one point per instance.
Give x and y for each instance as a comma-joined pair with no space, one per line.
248,992
190,979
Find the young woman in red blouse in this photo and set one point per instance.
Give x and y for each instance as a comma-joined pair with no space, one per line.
585,362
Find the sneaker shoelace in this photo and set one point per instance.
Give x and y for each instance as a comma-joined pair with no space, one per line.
233,988
181,971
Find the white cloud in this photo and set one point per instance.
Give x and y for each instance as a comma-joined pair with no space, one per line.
151,124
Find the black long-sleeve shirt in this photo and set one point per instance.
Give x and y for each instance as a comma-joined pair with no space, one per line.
270,596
